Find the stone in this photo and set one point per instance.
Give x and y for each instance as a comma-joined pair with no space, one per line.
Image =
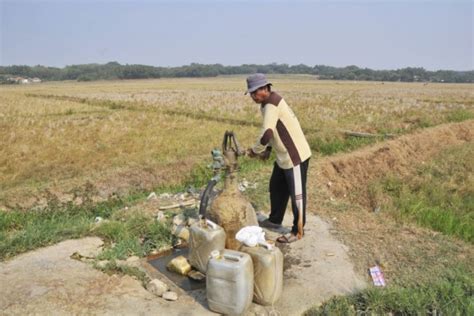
170,296
157,287
86,257
165,196
191,220
179,219
160,216
102,264
243,185
196,275
179,265
152,196
191,190
182,232
133,259
163,249
178,243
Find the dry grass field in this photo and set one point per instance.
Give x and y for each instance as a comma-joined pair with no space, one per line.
126,135
404,203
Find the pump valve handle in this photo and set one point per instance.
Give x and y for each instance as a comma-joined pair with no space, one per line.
230,143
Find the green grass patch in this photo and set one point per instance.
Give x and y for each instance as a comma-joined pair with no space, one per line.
327,147
21,232
248,166
441,195
450,294
132,234
114,268
24,230
459,115
123,249
199,176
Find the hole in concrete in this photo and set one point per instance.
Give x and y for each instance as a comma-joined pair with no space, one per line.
182,281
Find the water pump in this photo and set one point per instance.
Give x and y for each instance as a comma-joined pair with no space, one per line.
230,209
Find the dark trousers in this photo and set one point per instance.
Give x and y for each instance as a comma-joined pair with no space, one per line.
286,183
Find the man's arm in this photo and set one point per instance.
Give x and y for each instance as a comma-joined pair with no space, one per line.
270,118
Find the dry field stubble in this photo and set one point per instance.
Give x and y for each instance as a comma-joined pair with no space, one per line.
125,135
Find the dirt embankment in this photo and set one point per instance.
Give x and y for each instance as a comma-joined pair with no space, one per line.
349,175
339,191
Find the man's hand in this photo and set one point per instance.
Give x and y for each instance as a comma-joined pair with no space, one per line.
266,154
249,152
262,156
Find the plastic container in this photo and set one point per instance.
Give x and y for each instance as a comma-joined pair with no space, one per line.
205,236
229,282
268,273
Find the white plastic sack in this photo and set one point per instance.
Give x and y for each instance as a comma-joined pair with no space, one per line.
251,236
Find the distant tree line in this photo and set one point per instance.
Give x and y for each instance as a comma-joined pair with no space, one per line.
114,70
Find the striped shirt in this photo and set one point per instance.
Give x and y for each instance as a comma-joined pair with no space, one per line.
282,131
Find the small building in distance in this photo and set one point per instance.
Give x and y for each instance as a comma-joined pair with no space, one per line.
22,80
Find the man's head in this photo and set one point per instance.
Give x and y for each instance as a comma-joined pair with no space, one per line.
258,87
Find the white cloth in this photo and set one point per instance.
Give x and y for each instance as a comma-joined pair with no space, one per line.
251,236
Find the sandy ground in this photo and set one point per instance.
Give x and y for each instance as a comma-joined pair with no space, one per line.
48,282
316,268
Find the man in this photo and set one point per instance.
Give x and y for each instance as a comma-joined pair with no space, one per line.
282,132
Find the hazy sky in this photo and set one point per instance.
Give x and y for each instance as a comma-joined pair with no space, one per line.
375,34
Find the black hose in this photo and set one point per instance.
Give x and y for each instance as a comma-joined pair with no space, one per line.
205,197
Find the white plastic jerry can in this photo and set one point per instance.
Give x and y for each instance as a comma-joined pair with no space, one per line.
205,236
268,273
229,282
